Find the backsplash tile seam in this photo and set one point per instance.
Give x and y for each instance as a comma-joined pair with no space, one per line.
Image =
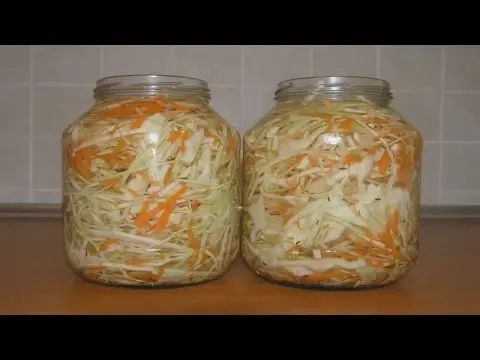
441,125
31,92
242,84
102,60
378,61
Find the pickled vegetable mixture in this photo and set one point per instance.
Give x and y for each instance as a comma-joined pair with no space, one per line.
331,194
151,192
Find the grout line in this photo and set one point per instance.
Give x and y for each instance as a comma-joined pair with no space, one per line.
101,60
171,60
451,142
56,84
15,84
462,92
418,90
30,125
441,116
311,59
224,86
377,61
242,81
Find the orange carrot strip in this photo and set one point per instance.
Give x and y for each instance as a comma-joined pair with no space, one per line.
110,182
137,124
185,137
143,218
175,136
137,262
383,163
232,144
352,157
346,125
326,276
164,218
104,245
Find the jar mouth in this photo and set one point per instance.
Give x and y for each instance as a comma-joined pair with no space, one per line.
150,79
150,84
334,87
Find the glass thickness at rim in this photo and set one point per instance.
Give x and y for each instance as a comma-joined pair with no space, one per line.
150,79
332,81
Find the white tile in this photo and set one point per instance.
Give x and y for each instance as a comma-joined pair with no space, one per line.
14,195
421,109
411,67
430,174
15,111
47,163
267,65
57,107
137,59
462,68
53,196
226,101
462,117
257,102
14,162
214,64
14,63
461,174
344,61
74,64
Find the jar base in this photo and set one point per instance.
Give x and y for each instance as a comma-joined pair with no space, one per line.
147,286
318,287
323,287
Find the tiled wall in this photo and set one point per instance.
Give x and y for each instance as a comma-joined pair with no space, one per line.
44,88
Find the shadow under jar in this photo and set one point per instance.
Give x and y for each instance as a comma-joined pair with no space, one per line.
331,191
151,184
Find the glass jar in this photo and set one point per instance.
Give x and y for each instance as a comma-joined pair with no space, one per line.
151,184
331,182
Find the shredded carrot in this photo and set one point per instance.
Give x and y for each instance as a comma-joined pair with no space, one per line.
175,136
164,218
325,276
232,144
110,182
104,245
136,262
184,138
346,125
384,162
352,157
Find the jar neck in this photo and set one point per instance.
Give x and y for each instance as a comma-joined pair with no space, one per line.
335,88
146,86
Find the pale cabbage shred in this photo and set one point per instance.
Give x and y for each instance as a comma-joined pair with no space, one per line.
328,200
94,213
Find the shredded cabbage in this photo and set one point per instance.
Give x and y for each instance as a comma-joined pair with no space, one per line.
151,192
331,194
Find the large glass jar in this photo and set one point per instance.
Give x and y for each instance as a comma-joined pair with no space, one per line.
331,180
151,184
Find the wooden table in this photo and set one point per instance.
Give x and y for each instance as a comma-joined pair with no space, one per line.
34,279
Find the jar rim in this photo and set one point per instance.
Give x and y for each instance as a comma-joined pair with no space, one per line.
151,79
335,88
335,80
150,84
